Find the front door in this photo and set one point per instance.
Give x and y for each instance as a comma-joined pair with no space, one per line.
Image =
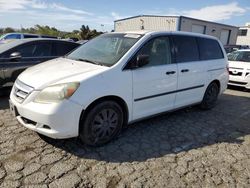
154,84
31,54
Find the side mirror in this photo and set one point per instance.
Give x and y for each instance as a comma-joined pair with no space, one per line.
140,61
15,56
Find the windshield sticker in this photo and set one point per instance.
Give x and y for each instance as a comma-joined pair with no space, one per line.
134,36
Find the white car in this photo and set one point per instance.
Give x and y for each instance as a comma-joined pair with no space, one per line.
116,79
239,68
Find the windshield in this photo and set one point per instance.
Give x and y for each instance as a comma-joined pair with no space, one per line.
239,56
106,49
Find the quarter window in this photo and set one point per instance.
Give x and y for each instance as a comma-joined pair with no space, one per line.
63,48
186,49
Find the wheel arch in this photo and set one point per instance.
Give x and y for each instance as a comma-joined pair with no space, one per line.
117,99
217,82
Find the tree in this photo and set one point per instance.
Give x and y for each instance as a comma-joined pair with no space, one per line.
84,33
9,30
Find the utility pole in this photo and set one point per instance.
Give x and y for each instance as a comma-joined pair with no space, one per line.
102,25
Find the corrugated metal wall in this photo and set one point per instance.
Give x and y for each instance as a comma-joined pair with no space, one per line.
212,29
147,23
171,23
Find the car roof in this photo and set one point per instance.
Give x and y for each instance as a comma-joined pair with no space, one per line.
21,34
17,42
150,32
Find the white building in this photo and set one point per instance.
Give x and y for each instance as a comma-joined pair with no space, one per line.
226,33
244,35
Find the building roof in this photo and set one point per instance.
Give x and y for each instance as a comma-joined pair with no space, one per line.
174,17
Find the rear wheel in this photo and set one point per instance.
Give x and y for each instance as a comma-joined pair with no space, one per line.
102,123
210,97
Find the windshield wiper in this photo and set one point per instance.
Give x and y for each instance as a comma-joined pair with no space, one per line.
89,61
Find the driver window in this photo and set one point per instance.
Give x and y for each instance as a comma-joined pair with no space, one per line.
26,50
158,50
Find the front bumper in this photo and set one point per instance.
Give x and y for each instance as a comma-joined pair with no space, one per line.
58,120
239,81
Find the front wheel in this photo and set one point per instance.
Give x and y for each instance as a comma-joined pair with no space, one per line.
210,97
102,123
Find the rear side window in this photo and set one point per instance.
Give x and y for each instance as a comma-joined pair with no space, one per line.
209,49
30,36
63,48
186,49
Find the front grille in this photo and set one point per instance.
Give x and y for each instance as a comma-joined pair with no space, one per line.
240,83
21,91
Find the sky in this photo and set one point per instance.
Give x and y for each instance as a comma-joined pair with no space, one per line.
68,15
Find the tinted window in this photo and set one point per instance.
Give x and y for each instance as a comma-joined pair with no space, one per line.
62,48
12,36
40,49
30,36
158,50
209,49
186,49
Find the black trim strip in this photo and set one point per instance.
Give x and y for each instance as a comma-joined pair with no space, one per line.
215,69
167,93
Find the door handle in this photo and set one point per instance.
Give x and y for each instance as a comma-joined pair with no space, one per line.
184,70
170,72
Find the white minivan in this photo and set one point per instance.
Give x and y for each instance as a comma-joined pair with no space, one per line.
116,79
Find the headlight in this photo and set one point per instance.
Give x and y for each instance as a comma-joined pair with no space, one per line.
56,93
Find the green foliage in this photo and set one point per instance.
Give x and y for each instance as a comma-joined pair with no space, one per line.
83,34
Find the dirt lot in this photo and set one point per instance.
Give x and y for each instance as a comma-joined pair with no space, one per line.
186,148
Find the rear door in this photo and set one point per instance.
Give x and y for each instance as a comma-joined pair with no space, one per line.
154,84
192,72
32,53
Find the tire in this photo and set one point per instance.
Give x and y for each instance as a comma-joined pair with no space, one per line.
102,124
210,96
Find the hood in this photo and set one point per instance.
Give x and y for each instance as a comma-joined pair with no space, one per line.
55,70
239,64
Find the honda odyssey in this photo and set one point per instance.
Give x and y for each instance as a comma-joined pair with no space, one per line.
116,79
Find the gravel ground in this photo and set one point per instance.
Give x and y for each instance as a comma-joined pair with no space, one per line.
186,148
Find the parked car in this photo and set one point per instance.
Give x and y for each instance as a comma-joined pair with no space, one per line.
116,79
232,48
20,54
11,36
239,68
